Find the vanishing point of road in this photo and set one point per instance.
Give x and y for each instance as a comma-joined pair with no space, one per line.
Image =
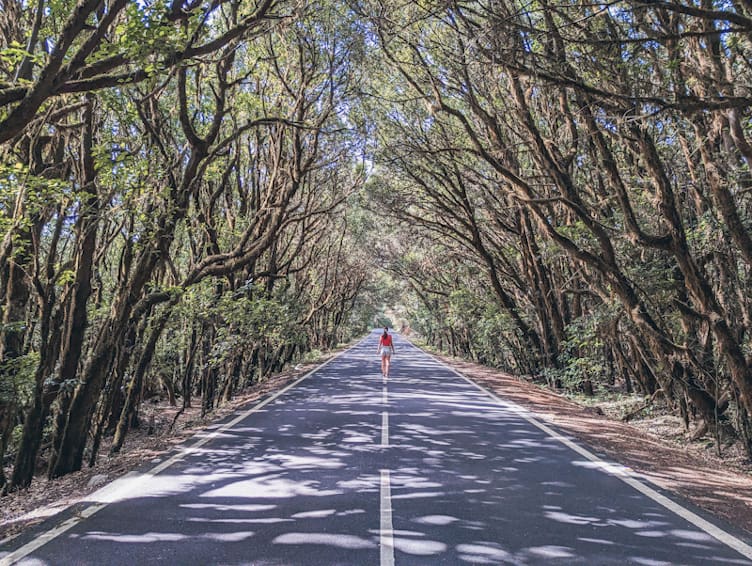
344,468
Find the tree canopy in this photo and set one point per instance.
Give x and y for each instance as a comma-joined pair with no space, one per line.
194,194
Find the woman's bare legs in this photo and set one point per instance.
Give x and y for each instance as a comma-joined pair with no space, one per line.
385,363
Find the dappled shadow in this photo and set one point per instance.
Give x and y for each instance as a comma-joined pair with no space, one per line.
713,487
298,482
502,492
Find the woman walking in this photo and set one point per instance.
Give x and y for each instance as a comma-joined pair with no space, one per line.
386,349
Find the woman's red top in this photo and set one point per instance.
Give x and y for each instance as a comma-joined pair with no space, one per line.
386,340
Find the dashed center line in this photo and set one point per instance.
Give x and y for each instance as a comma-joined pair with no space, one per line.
386,529
384,429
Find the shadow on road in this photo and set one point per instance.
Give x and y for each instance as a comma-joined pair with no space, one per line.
298,483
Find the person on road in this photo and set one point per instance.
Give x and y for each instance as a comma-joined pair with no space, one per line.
386,349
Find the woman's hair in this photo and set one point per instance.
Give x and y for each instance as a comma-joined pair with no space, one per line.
386,331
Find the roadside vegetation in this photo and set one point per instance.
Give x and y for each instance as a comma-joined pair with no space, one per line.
193,195
176,182
570,185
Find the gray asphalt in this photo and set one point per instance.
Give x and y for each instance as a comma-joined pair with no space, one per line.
300,482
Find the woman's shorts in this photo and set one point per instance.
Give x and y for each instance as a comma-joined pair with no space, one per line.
386,353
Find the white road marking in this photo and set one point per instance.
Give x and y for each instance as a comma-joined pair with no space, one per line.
386,538
135,479
384,429
617,471
384,400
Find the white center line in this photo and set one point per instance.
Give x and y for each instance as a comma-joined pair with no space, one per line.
384,429
386,529
383,396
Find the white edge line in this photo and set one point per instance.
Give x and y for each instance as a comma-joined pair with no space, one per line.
615,470
134,478
386,529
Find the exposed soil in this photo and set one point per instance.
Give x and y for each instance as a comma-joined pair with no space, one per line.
653,446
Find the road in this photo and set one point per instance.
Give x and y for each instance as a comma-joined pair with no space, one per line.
344,468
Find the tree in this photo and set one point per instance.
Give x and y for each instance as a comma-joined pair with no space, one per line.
578,117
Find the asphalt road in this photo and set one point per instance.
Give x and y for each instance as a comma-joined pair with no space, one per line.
346,469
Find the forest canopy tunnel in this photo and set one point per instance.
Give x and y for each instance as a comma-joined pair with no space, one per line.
193,194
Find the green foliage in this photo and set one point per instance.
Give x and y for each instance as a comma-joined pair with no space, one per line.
582,355
17,379
252,322
312,356
381,320
40,192
12,55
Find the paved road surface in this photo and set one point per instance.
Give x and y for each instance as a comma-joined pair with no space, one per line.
346,469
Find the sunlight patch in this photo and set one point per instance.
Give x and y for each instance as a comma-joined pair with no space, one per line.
569,519
270,488
229,537
482,553
436,520
695,536
340,541
356,438
405,481
551,551
290,462
419,495
633,524
146,537
315,514
651,534
359,483
419,547
225,508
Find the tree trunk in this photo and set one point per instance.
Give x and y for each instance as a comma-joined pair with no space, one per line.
70,446
136,384
31,437
12,338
